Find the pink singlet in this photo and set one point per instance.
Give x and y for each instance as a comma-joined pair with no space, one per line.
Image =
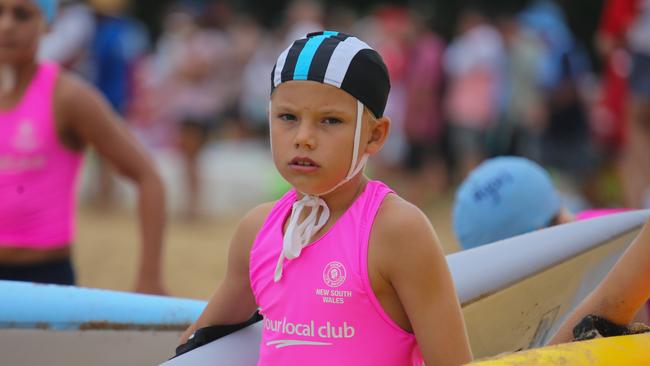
591,214
323,311
37,173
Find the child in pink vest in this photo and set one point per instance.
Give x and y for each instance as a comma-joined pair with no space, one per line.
47,118
342,270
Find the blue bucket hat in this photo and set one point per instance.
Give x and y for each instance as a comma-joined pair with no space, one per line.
503,197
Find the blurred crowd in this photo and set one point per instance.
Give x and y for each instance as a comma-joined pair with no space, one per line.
510,83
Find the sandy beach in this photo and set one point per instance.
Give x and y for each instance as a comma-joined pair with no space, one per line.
195,253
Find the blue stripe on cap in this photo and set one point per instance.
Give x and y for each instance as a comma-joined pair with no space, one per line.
307,55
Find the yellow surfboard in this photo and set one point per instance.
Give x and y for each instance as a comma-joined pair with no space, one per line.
624,350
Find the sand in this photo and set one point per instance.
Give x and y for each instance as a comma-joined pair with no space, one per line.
106,249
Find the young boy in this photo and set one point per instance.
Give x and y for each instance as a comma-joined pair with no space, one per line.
342,269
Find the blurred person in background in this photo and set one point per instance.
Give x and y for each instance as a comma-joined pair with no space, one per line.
342,17
520,129
69,39
474,63
608,109
636,173
192,54
302,17
566,145
386,29
118,42
254,95
48,117
423,123
504,197
299,18
508,196
610,122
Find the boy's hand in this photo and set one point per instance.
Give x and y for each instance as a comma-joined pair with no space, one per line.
187,333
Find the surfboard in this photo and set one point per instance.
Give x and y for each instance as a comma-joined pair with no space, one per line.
624,350
66,325
514,293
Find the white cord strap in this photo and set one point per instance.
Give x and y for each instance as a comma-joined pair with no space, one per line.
298,235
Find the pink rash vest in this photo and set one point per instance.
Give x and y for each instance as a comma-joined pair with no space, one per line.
323,311
37,173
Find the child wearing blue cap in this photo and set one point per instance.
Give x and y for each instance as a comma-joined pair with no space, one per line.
342,270
504,197
509,196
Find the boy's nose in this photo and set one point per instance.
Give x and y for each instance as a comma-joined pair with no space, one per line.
305,136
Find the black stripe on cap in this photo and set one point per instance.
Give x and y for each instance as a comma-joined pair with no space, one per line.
322,58
367,80
292,60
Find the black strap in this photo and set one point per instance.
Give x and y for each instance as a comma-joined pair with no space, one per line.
593,326
208,334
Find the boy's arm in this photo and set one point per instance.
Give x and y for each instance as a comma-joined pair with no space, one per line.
618,298
84,117
418,272
233,301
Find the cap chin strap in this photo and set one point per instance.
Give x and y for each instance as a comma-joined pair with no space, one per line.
299,234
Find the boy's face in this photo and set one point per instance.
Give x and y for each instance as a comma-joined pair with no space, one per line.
312,132
21,26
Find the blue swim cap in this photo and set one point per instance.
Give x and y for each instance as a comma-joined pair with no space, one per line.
48,8
503,197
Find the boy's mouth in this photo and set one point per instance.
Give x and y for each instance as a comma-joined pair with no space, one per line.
303,162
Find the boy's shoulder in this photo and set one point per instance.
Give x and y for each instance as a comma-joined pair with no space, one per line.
252,222
401,236
399,219
248,227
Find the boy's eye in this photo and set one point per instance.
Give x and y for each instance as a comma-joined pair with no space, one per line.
287,117
22,14
332,121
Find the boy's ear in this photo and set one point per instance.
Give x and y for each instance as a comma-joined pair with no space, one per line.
379,131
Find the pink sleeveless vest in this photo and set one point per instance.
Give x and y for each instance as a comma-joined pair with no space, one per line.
323,311
37,173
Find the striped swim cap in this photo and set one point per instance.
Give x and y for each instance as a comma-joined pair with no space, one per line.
340,60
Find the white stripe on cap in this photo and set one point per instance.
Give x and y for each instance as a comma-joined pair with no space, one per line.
277,78
341,59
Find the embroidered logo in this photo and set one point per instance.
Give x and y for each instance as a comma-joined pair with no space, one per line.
334,274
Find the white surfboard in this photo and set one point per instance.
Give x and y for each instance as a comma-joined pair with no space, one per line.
514,293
